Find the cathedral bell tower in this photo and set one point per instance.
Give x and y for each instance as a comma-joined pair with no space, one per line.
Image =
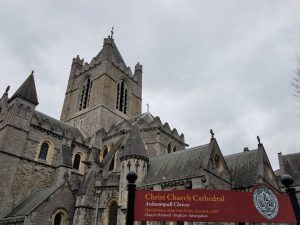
102,92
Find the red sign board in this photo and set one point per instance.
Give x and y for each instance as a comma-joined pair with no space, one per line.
261,205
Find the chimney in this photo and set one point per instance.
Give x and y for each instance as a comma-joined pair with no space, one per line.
246,149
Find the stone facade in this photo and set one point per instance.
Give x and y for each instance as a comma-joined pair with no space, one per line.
73,170
104,73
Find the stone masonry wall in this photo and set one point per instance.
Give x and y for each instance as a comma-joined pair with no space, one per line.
8,168
61,199
30,176
156,142
33,142
103,93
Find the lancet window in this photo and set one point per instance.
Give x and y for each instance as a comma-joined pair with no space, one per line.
85,94
76,162
113,214
122,97
44,151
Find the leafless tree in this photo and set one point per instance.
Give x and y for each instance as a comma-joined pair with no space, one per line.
296,82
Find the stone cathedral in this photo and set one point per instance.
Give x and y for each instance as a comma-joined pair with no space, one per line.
73,171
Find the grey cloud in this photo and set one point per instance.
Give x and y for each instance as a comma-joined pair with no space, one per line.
224,65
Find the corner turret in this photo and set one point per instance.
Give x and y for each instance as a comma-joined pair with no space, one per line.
134,158
138,72
3,105
27,91
22,104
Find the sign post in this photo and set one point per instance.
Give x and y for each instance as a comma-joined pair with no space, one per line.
131,187
262,205
287,181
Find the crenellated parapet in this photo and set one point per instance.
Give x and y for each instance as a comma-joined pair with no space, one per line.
108,41
111,53
78,61
85,67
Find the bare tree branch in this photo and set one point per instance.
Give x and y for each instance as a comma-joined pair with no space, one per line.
295,82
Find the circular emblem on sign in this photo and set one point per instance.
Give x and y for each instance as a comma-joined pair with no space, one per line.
265,202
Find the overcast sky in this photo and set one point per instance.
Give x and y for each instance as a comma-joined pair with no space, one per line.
225,65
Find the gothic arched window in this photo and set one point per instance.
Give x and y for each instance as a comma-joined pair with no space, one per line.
169,148
57,219
85,94
113,213
60,218
44,151
105,151
174,149
112,164
76,162
122,97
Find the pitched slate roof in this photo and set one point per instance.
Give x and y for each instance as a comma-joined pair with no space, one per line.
134,145
55,126
243,168
107,159
147,116
27,91
33,201
291,163
115,53
177,165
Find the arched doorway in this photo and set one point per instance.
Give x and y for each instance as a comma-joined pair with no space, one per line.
60,217
57,219
113,214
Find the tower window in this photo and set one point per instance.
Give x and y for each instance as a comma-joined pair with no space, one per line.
44,151
85,94
76,162
122,97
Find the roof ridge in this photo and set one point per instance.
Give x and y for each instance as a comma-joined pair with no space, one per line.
240,153
179,151
112,151
59,121
22,206
135,145
290,154
54,119
47,188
